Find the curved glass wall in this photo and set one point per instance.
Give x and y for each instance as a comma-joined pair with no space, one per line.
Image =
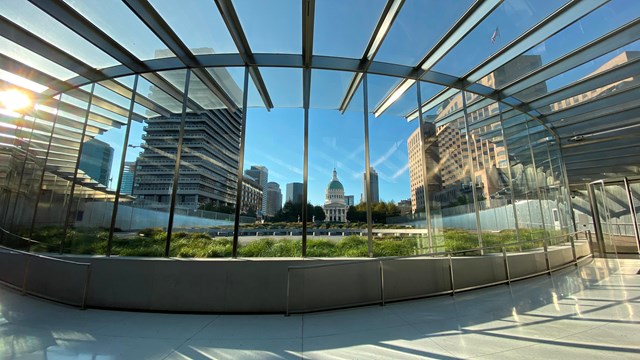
167,164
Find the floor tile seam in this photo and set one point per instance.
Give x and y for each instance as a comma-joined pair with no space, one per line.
433,341
172,351
363,331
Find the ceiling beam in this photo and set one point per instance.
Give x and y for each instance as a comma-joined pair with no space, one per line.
387,17
154,21
232,21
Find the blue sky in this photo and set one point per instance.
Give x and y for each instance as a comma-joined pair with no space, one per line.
274,139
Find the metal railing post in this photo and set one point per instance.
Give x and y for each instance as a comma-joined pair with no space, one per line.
546,255
27,265
288,289
453,286
86,288
381,267
573,249
506,265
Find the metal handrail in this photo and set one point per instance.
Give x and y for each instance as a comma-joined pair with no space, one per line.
27,267
448,255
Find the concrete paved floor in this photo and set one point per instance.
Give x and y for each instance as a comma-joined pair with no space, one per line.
592,312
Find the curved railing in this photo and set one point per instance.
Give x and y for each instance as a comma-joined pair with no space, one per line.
378,286
48,277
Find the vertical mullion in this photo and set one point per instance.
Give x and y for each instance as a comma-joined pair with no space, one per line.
20,178
509,175
243,133
305,174
535,176
367,185
176,172
471,168
77,167
425,172
632,208
44,168
116,200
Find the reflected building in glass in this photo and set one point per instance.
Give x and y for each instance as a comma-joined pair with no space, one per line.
373,186
96,160
273,194
261,175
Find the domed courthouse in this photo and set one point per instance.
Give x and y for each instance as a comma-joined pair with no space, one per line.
335,208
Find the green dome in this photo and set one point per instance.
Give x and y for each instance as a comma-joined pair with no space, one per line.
335,185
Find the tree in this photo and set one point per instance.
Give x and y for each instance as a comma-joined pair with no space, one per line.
318,213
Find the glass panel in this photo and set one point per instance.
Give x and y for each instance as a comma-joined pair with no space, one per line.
491,173
592,67
185,16
352,22
284,86
50,30
396,173
34,60
155,94
419,25
99,174
52,209
524,185
507,22
635,194
329,88
449,179
336,165
22,140
597,23
619,227
120,23
271,26
273,184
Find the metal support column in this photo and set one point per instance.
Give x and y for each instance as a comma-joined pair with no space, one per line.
634,215
306,89
116,200
367,165
425,171
509,175
471,168
176,170
75,173
595,213
243,132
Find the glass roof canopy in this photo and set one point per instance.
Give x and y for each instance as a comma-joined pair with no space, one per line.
584,55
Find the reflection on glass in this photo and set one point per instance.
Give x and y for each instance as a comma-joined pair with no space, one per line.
595,24
271,26
419,25
119,22
183,17
335,19
508,21
396,178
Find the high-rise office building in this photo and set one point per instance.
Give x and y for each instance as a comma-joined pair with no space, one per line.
252,194
294,192
128,177
274,198
375,197
96,160
261,175
208,164
415,144
349,200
